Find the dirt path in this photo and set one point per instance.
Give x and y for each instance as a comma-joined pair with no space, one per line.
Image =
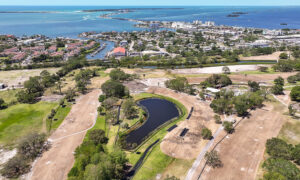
242,152
189,146
57,162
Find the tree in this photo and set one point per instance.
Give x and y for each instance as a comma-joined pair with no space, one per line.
206,133
274,176
228,127
295,93
15,167
97,136
226,70
283,167
292,79
129,108
118,75
108,103
279,81
32,145
217,81
213,159
70,94
284,66
283,56
113,89
3,105
177,84
279,149
277,89
253,85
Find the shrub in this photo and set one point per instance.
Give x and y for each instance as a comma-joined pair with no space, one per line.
32,145
217,119
278,148
292,79
3,105
295,93
101,98
228,127
273,176
15,167
206,133
296,154
263,69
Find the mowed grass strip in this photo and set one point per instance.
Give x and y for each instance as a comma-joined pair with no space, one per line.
21,119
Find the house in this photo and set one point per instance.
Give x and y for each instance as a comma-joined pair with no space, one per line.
52,49
119,51
19,57
123,43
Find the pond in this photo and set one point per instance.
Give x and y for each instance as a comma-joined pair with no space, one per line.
159,111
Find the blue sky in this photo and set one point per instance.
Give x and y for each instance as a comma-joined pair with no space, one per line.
152,2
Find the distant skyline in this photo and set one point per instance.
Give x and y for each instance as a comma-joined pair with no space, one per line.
153,2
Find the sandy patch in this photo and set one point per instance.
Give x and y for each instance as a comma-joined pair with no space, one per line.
189,146
216,70
57,162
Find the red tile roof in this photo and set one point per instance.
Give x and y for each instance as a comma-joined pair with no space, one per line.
119,50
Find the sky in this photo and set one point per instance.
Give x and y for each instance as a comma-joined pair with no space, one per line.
154,2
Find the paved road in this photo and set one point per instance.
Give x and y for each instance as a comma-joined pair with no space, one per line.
202,154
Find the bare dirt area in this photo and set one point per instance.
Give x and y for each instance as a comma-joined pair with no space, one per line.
16,78
59,159
245,78
189,146
216,69
242,151
270,57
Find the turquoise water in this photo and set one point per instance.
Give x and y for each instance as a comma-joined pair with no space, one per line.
70,21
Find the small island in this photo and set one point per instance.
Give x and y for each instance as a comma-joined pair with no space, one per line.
236,14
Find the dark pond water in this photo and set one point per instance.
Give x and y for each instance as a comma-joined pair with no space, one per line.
159,112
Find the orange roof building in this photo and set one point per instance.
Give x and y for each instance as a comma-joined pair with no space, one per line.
119,51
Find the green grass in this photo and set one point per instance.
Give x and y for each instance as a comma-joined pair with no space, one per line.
60,115
21,119
100,123
290,132
9,95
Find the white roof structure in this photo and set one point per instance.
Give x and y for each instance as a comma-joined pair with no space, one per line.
213,90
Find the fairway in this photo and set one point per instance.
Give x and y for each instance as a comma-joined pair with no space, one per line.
20,119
